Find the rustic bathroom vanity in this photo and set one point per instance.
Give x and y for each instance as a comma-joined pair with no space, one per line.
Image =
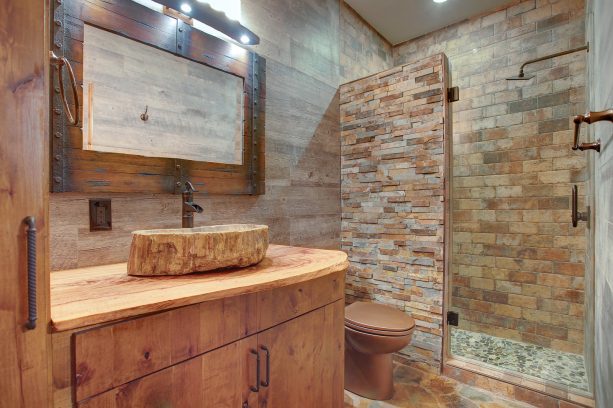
268,335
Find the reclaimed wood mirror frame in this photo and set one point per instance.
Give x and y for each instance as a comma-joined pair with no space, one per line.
76,170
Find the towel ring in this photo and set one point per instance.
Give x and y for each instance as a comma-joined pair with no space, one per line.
60,63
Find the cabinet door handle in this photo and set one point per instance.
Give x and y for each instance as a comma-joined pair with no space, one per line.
266,382
576,215
256,387
31,236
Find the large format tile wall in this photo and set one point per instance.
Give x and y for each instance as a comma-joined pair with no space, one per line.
518,265
300,41
392,137
601,98
363,50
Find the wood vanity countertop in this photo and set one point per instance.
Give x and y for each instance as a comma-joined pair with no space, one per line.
99,294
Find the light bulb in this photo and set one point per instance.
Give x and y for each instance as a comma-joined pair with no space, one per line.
245,39
186,8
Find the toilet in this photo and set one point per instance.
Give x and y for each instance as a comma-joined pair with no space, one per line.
373,332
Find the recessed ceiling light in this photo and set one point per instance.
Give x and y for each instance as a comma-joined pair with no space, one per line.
186,8
245,39
439,1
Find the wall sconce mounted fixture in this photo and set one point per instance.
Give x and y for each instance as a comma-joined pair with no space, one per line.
216,19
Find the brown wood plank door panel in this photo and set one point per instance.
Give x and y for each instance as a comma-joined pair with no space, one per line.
228,375
109,356
24,98
217,379
306,360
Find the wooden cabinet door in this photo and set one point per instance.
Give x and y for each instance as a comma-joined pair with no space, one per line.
221,378
305,360
23,192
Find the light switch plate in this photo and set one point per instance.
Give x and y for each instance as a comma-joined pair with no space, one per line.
100,216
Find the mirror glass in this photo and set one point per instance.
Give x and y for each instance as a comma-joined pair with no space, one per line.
143,101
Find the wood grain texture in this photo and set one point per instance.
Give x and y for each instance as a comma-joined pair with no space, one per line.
187,250
285,303
24,91
220,378
75,169
195,112
306,360
141,346
88,296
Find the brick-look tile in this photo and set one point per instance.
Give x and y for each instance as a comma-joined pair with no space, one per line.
513,169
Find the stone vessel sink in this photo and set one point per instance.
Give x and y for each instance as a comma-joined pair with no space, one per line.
185,250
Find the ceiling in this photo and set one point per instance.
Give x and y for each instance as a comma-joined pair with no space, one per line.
402,20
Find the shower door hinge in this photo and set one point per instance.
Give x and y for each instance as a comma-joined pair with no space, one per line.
453,318
453,94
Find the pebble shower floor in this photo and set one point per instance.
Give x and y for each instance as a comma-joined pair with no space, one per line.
528,359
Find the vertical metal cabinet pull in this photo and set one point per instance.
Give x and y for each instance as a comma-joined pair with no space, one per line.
60,63
589,118
256,388
576,215
266,382
31,234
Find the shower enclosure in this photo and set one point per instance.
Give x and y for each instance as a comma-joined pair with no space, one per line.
518,274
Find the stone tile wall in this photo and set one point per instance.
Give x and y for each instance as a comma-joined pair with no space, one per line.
392,188
518,265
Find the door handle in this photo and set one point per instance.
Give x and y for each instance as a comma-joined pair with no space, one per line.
576,215
256,387
589,118
60,63
31,238
266,382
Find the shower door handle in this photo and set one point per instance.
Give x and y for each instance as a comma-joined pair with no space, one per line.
576,215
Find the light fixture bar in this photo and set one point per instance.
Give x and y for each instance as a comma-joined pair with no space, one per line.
216,19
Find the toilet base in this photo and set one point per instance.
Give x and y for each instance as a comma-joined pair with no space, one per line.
369,375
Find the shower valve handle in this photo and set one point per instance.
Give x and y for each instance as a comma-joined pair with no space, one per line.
576,215
589,118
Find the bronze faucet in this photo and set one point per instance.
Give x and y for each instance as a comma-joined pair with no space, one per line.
189,207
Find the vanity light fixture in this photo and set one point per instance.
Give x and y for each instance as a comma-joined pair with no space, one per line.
213,18
439,1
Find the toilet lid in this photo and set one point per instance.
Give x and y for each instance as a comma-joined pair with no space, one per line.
385,333
367,315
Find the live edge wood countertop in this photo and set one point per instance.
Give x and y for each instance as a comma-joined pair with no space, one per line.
93,295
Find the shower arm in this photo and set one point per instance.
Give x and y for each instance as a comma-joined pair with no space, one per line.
557,54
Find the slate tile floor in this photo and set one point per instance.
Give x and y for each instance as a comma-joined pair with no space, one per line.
536,361
416,387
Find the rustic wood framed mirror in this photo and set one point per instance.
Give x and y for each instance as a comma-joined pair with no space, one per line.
145,130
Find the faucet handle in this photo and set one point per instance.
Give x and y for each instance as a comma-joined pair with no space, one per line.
189,187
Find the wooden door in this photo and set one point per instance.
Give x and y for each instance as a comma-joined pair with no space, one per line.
221,378
23,192
306,360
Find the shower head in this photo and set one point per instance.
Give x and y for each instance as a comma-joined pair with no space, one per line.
520,77
523,77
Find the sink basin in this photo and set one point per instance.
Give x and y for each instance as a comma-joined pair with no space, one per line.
185,250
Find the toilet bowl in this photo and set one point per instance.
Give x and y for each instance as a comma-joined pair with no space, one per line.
373,332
